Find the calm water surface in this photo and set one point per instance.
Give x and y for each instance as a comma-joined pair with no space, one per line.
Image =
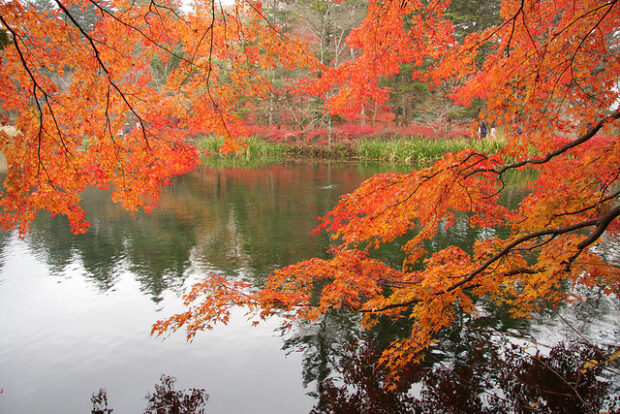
76,311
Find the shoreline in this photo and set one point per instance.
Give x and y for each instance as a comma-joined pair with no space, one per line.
398,150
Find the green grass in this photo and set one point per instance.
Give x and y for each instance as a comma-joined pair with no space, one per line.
422,149
258,152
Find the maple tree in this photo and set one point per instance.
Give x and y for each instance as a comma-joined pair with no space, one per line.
550,77
111,101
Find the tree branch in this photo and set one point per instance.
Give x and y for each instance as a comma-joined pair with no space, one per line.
601,224
104,68
534,161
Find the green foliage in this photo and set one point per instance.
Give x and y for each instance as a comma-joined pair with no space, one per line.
86,15
260,152
257,153
415,100
160,70
471,16
4,39
423,149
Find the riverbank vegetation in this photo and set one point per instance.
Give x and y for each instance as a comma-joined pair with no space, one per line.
260,151
254,153
422,149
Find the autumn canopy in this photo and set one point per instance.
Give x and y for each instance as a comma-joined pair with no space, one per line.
82,105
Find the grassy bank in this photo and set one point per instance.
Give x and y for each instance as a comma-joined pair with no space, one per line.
260,151
257,153
422,149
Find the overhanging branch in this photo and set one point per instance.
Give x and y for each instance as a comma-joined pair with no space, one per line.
592,131
601,225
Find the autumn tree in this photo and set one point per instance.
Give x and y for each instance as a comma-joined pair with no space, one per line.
550,78
415,100
106,94
330,23
86,107
324,26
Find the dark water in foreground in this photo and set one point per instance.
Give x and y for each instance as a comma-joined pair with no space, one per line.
76,312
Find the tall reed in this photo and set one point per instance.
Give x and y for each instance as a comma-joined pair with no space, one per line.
256,148
423,149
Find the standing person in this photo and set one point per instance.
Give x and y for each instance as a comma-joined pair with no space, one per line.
482,130
492,131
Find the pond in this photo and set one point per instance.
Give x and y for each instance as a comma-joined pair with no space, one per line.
76,311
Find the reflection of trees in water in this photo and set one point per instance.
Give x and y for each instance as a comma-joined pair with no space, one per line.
233,222
164,400
486,364
321,343
5,236
262,218
227,221
488,376
461,234
156,248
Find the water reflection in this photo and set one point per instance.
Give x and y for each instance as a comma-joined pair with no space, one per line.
236,222
155,248
483,373
163,400
484,377
488,363
246,223
4,240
